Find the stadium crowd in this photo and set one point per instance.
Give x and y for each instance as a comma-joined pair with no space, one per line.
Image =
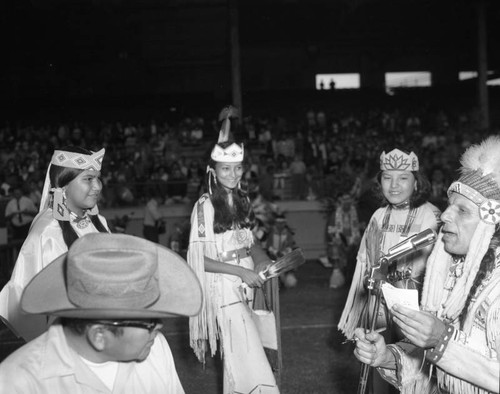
320,155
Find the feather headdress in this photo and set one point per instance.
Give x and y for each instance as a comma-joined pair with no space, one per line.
233,153
479,182
481,168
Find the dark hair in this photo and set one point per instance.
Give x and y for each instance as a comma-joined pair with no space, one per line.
226,217
60,177
79,326
418,197
488,264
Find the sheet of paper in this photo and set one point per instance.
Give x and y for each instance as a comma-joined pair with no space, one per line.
405,297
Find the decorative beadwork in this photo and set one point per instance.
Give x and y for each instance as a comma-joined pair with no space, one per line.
435,354
490,211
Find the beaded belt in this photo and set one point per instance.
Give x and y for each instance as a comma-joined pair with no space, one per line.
236,254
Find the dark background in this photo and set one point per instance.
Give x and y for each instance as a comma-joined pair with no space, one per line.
83,56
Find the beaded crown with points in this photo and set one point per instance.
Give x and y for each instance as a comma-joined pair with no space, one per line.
398,160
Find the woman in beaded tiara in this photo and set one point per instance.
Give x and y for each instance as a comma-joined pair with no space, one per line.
68,210
225,258
403,191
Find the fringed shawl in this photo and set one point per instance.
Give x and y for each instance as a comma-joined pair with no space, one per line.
203,329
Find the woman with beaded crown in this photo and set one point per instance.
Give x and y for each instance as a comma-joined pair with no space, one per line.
68,210
225,258
404,191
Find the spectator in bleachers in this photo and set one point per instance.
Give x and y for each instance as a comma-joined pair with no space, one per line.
314,189
348,129
11,172
298,178
439,188
281,177
266,182
4,187
332,169
265,137
153,222
197,133
177,184
35,193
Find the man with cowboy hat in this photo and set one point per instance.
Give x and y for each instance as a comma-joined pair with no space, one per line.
452,344
109,293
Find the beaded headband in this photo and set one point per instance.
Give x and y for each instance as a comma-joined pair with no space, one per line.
80,161
234,153
489,209
398,160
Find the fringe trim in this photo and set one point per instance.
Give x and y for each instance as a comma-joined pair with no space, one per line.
493,329
355,305
414,374
493,317
229,384
457,386
357,300
203,328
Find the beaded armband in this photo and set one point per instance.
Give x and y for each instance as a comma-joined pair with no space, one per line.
435,354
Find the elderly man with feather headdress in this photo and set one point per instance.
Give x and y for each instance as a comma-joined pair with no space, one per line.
452,344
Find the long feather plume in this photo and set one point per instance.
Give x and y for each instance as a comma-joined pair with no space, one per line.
225,116
484,156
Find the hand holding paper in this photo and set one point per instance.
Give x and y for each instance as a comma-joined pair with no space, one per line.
405,297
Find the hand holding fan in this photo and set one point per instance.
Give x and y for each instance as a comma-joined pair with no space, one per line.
286,263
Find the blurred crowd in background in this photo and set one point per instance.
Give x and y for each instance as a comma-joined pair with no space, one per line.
323,154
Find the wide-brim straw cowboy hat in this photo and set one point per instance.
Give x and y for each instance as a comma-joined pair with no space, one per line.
114,276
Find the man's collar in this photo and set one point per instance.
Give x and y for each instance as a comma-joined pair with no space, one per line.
59,359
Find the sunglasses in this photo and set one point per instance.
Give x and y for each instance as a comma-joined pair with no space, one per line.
150,326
